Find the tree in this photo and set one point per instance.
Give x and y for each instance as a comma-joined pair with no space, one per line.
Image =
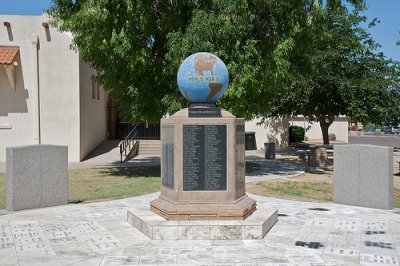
137,47
126,42
346,75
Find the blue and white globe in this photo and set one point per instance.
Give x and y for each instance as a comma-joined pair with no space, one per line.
203,78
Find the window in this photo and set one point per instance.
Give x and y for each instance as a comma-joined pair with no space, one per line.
95,88
98,90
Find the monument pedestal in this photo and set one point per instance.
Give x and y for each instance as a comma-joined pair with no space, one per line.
203,166
239,210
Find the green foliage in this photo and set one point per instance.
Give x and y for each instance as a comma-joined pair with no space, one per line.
345,74
126,42
138,46
296,134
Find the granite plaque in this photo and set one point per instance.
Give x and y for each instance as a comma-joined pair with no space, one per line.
204,112
167,161
240,156
204,157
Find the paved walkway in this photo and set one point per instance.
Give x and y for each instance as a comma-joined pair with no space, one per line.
98,234
305,234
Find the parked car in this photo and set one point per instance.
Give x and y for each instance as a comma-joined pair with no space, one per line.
391,130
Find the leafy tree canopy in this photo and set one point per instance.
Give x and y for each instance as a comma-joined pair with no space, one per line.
346,76
137,47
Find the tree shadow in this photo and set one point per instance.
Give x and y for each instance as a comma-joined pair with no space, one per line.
134,172
278,132
275,167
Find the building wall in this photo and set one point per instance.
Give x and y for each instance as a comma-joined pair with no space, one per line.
52,86
14,107
93,103
272,130
59,92
277,130
313,131
19,108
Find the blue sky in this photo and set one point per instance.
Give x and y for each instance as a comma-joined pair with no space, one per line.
386,33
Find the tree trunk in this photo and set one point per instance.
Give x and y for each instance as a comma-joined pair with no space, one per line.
325,123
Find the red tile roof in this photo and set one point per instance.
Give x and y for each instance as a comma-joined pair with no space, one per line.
7,54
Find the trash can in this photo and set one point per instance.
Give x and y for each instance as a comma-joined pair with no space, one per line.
250,143
269,150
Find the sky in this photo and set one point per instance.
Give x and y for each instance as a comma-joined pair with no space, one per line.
386,33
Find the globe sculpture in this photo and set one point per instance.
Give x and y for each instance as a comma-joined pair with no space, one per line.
203,78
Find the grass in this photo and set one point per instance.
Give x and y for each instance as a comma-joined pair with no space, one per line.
397,197
302,191
86,185
2,190
100,184
305,191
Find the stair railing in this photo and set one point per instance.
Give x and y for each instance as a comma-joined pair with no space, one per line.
128,141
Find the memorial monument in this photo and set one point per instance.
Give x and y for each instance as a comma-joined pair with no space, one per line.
203,150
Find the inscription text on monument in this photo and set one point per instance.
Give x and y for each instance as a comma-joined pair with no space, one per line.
167,150
240,156
204,157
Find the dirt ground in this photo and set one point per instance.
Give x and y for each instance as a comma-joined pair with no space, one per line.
321,175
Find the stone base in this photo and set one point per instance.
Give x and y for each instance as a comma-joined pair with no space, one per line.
157,228
239,210
37,176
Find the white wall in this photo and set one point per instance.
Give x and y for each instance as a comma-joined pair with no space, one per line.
313,131
59,92
19,109
93,113
14,106
64,86
277,130
273,130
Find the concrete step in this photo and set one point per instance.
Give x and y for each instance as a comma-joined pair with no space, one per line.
150,147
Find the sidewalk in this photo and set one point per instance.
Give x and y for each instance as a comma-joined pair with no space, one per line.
306,233
106,155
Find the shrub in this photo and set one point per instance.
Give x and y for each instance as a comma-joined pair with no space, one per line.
296,134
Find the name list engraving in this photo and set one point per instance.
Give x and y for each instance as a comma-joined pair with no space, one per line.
240,156
167,156
204,157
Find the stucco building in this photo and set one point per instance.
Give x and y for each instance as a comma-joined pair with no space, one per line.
48,95
277,130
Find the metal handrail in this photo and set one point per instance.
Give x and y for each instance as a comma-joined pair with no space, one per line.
128,141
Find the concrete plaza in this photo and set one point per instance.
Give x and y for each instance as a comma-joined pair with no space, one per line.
306,234
98,234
